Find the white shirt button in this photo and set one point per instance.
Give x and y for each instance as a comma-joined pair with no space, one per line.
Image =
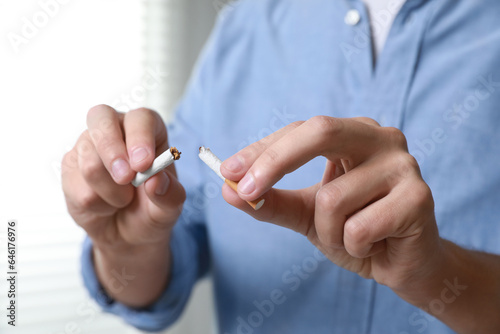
352,17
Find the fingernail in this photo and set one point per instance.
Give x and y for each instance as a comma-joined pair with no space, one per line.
233,164
247,184
119,168
162,187
139,154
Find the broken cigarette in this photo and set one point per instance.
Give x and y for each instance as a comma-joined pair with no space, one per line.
214,163
163,160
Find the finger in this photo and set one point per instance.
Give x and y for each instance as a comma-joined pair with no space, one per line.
98,178
341,198
367,120
332,171
292,209
166,193
145,136
80,197
236,166
331,137
396,216
105,131
162,197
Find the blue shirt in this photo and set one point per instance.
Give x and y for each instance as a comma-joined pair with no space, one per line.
272,62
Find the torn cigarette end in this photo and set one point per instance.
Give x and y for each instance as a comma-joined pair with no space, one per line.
212,161
175,153
161,162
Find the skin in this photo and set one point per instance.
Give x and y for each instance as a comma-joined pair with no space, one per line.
372,213
130,228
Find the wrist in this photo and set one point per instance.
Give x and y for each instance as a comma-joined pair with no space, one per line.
126,251
135,275
425,284
446,283
463,292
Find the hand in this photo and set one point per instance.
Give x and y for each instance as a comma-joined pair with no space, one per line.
372,213
97,172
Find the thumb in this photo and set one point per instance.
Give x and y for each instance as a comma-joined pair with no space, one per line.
161,198
293,209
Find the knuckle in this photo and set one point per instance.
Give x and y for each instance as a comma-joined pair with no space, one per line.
97,110
396,137
271,157
69,160
107,148
355,232
357,236
91,169
270,160
367,120
421,196
255,149
143,112
107,126
95,135
106,117
87,200
329,198
325,125
84,148
251,152
406,165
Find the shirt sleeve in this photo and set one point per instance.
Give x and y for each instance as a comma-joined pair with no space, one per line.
188,245
187,267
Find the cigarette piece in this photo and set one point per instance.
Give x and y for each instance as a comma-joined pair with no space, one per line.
163,160
212,161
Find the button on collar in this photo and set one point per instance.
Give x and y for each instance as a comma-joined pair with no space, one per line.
352,17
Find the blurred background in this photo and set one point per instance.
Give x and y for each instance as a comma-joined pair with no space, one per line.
57,59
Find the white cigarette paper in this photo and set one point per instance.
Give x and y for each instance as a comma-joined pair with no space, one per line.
212,161
161,162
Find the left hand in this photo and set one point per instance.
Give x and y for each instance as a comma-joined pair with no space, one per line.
372,213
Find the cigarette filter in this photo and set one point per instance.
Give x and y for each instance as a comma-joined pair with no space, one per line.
212,161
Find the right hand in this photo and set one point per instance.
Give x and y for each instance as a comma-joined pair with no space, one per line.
97,172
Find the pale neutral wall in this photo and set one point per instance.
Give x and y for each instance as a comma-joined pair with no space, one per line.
175,31
198,318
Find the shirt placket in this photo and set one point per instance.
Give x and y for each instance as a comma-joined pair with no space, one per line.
381,91
388,90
